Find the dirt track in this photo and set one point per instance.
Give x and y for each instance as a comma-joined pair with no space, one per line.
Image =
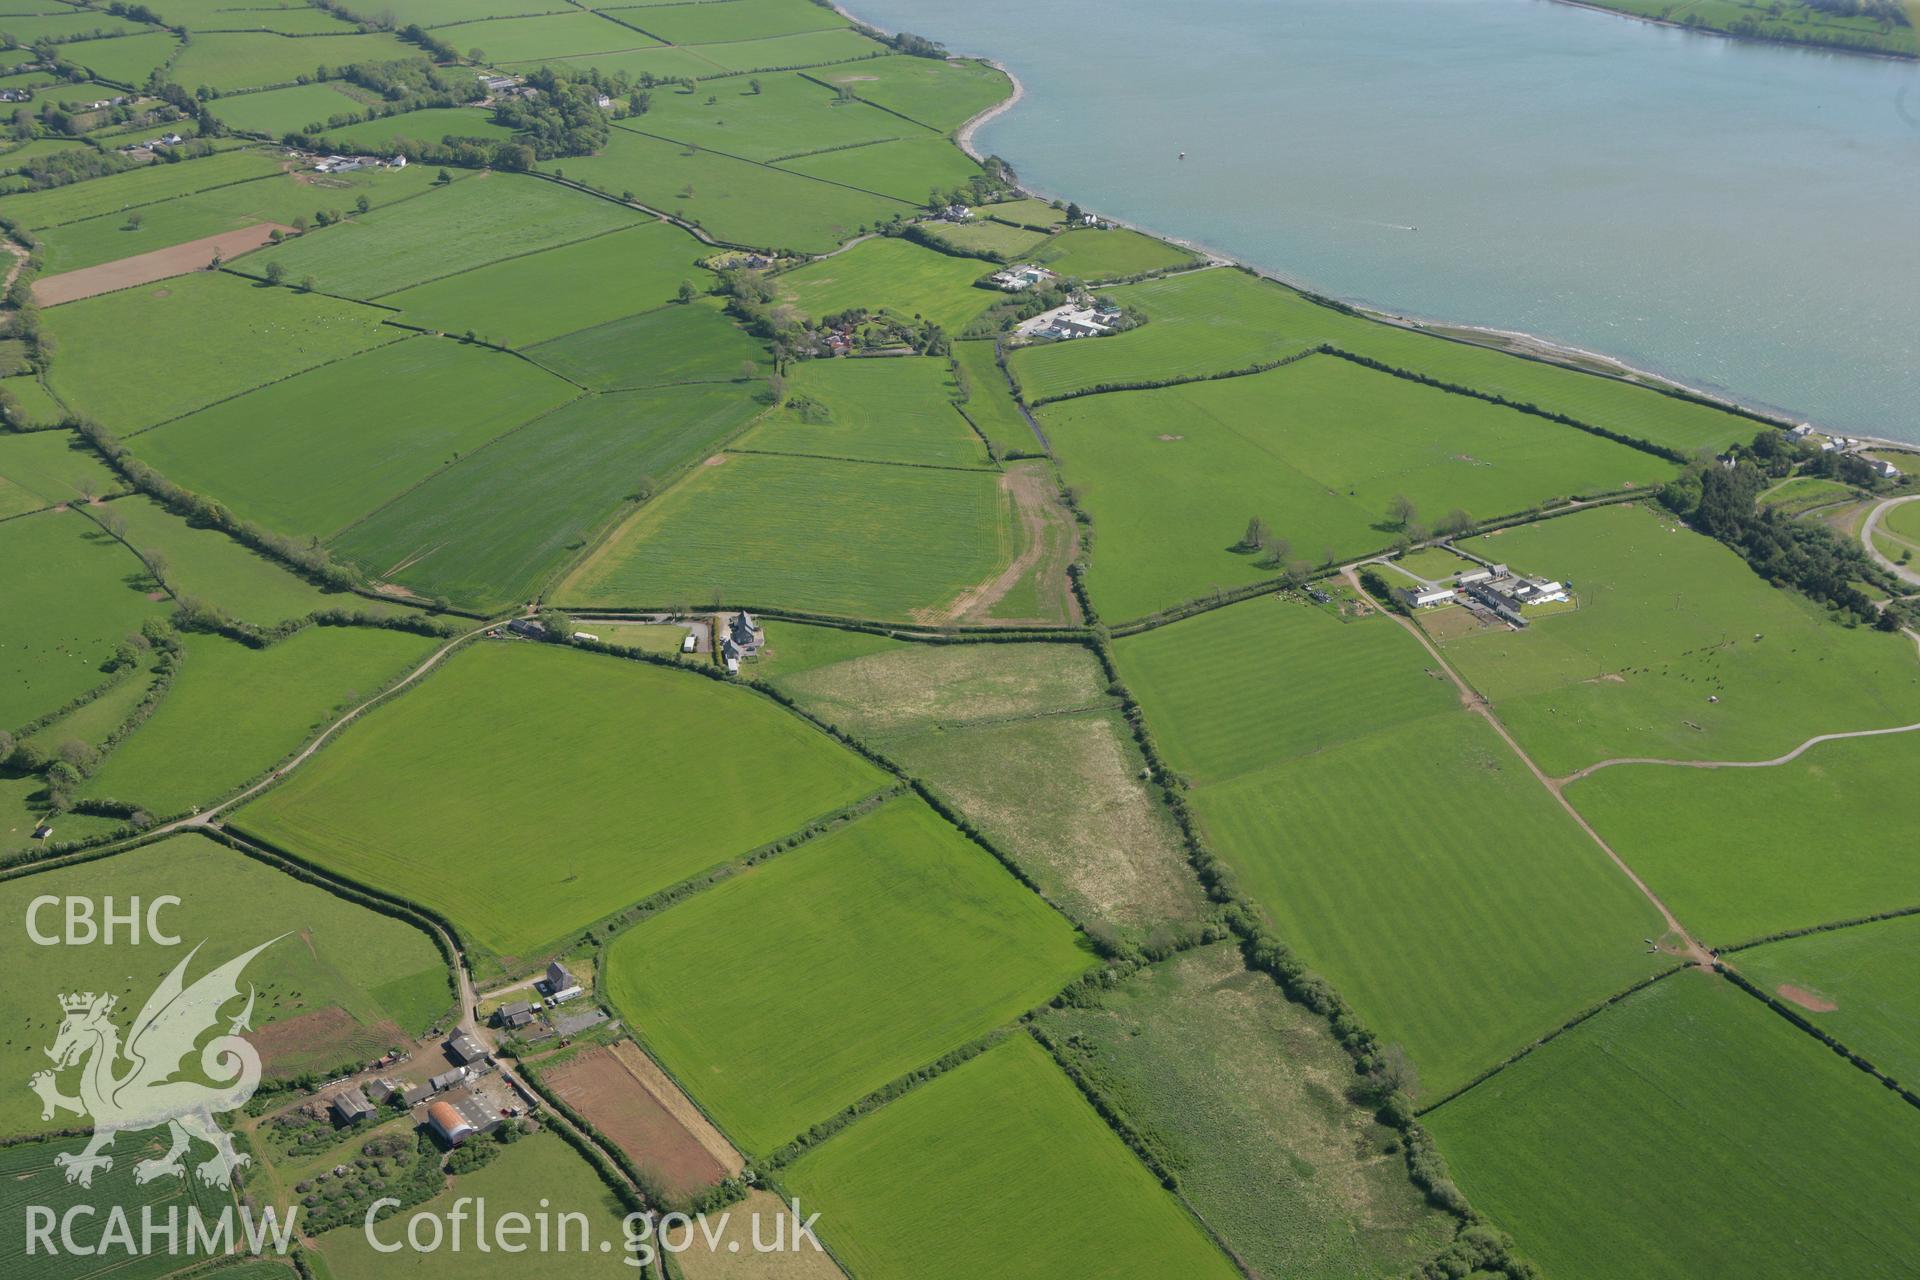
143,268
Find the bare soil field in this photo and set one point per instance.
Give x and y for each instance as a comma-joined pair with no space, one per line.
144,268
319,1040
611,1090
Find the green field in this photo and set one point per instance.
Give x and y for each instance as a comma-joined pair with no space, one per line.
435,13
894,275
990,403
795,647
907,170
267,702
49,467
244,335
877,410
491,528
348,984
126,60
1457,933
256,60
535,1169
1742,853
1728,1143
611,817
310,455
1029,1181
201,563
848,538
1865,974
1677,651
909,939
530,299
791,115
737,20
462,226
1797,21
31,1178
1039,215
556,35
657,348
278,111
278,198
803,49
32,402
1317,449
1091,254
940,95
430,125
38,210
1234,1085
62,24
1227,696
986,236
92,722
1902,521
733,200
80,594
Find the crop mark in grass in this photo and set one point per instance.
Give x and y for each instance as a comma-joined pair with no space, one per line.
1809,1000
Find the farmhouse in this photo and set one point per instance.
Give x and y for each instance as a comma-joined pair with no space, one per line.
499,84
446,1080
528,628
15,95
745,634
1801,432
464,1049
1025,276
350,1106
1884,469
517,1014
1066,323
558,979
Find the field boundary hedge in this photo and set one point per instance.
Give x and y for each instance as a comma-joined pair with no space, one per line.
1156,384
871,462
1784,934
762,164
1905,1094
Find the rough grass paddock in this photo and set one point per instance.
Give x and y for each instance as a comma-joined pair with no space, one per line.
598,1085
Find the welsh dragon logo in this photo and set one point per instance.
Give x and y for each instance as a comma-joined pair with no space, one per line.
135,1086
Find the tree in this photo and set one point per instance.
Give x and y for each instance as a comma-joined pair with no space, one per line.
1454,523
442,179
6,747
687,292
1256,535
753,87
308,284
276,272
362,204
1401,511
134,220
156,561
1074,214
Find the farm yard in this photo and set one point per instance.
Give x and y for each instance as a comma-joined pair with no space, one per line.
542,512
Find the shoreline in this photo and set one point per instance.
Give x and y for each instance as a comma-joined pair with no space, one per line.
1845,50
1515,342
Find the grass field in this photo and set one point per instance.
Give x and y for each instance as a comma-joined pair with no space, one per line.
802,49
1209,321
267,702
879,410
677,344
135,188
529,299
1854,984
1364,676
351,982
1241,1092
491,528
940,95
462,226
737,20
57,22
1729,1144
990,403
435,13
204,564
236,206
256,60
433,124
791,115
734,200
310,455
1677,650
1029,1182
49,467
556,35
1091,254
893,275
898,688
1903,521
244,335
1796,20
278,111
907,170
540,1167
87,593
716,773
1742,853
32,402
1317,449
126,60
765,531
795,647
92,722
31,1178
986,236
910,940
